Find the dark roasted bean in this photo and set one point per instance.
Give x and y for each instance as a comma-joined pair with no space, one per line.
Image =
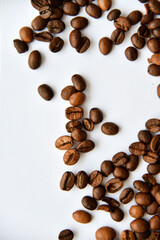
86,146
82,179
113,14
117,36
67,181
71,157
95,178
119,159
56,44
126,195
114,185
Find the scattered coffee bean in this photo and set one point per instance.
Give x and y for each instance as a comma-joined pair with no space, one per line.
85,43
137,41
45,92
121,172
20,46
143,31
105,45
154,45
135,17
136,211
45,12
66,234
71,157
132,163
122,23
39,23
55,26
109,128
79,135
158,90
149,179
88,124
117,36
117,214
155,144
119,159
34,59
143,236
144,136
79,22
93,10
107,168
57,13
105,4
82,179
113,14
67,92
143,199
86,146
153,125
26,34
154,168
156,32
39,3
79,82
77,98
155,59
82,216
127,235
56,44
155,23
96,115
131,53
70,8
43,36
74,113
75,38
154,6
95,178
106,233
139,225
114,185
141,186
126,195
67,181
64,143
147,18
111,201
89,202
150,157
99,192
152,208
72,125
154,70
137,148
155,223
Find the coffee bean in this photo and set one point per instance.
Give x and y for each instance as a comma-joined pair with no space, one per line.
64,143
85,43
126,195
40,3
88,124
70,8
154,45
82,216
26,34
153,125
138,41
39,23
154,236
43,36
71,157
82,3
99,192
95,178
137,148
114,185
74,113
105,208
45,12
79,82
45,92
89,202
55,26
143,199
155,59
155,223
127,235
71,125
154,70
77,98
139,225
109,128
67,181
79,135
147,18
155,23
144,136
131,53
57,13
158,90
113,14
143,32
151,209
106,233
154,190
105,45
117,36
107,168
111,201
136,211
154,168
150,157
20,46
34,59
119,159
156,32
93,10
96,115
79,22
56,44
141,186
66,234
132,163
143,236
82,179
122,23
67,92
135,17
86,146
121,172
75,38
105,4
117,215
148,178
155,144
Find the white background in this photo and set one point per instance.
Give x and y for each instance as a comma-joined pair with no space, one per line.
32,207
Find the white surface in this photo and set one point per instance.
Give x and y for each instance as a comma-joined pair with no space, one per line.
32,207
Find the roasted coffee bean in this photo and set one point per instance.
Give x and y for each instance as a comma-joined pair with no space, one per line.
154,70
114,185
139,225
155,144
111,201
71,125
154,45
57,13
67,92
143,199
55,26
107,168
77,98
56,44
26,34
39,23
155,223
79,135
93,10
131,53
96,115
137,148
20,46
43,36
154,6
105,4
122,23
127,235
40,3
138,41
82,179
82,3
45,12
132,163
70,8
117,36
95,178
67,181
113,14
79,82
155,23
147,18
105,45
79,22
151,209
71,157
64,143
99,192
135,17
89,202
34,59
141,186
88,124
154,190
119,159
143,236
106,233
144,136
150,157
136,211
45,92
117,214
75,38
85,43
154,236
82,216
105,208
158,90
143,31
126,195
109,128
121,172
66,234
155,59
154,168
156,32
86,146
74,113
153,125
148,178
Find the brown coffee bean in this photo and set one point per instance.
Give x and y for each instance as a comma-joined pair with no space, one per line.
154,190
143,199
126,195
127,235
85,43
64,143
154,168
107,168
143,32
141,186
40,3
96,115
155,144
132,163
82,3
119,159
20,46
39,23
99,192
82,179
56,44
45,92
82,216
67,181
113,14
155,223
158,90
57,13
135,17
34,59
26,34
55,26
79,22
117,36
67,92
105,208
114,185
86,146
148,178
154,45
150,157
138,41
105,45
144,136
79,82
111,201
105,4
153,125
139,225
155,59
131,53
154,70
154,236
79,135
147,18
109,128
75,38
106,233
70,8
137,148
136,211
77,98
89,202
152,208
45,12
122,23
71,157
143,236
117,215
95,178
43,36
71,125
74,113
155,23
66,234
156,32
121,172
93,10
88,124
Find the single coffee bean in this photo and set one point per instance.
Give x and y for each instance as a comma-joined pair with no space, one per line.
40,3
147,18
156,32
139,225
105,45
119,159
113,14
131,53
150,157
85,43
75,38
158,90
155,59
82,179
70,8
137,148
93,10
117,36
149,179
79,135
71,125
126,195
154,45
67,92
77,98
57,13
136,211
43,36
89,202
144,136
137,41
82,216
55,26
114,185
45,92
143,199
66,234
121,172
64,143
109,128
74,113
154,168
155,144
79,22
67,181
154,190
39,23
99,192
135,17
71,157
155,223
20,46
143,236
141,186
117,215
143,32
95,178
154,70
79,82
105,4
56,44
96,115
122,23
34,59
86,146
127,235
152,208
107,168
154,236
132,163
82,3
106,233
111,201
155,23
105,208
88,124
45,12
153,125
26,34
